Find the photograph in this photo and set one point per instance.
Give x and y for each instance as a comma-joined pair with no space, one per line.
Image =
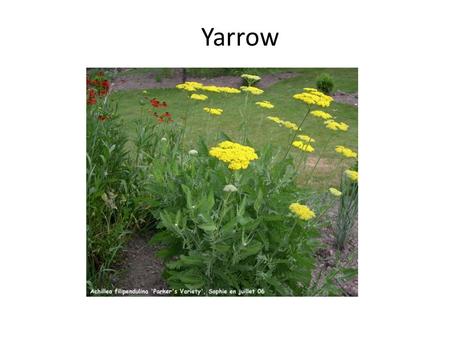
222,182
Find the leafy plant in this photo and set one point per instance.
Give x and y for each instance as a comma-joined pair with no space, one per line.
348,209
325,83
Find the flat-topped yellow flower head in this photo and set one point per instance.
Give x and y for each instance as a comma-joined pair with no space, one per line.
252,90
333,125
347,152
352,174
199,97
265,104
302,211
236,155
321,114
312,96
335,192
306,138
229,90
213,111
303,146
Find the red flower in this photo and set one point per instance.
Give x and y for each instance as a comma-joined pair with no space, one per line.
105,84
91,93
92,100
103,92
102,117
167,114
154,102
160,120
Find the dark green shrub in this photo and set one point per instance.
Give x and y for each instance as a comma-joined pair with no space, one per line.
325,83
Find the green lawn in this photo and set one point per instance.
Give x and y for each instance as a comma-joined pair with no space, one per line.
261,130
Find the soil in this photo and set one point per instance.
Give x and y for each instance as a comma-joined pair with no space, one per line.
140,267
148,81
347,98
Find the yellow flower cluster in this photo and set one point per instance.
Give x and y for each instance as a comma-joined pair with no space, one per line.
306,138
303,146
321,114
346,152
252,90
265,104
251,78
194,86
213,111
312,96
186,87
333,125
287,124
335,192
302,211
229,90
351,174
236,155
199,97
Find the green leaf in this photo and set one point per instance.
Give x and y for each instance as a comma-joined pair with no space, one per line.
208,227
252,249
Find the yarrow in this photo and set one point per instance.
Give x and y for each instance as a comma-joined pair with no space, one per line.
306,138
333,125
229,90
346,152
287,124
335,192
251,78
236,155
265,104
199,97
302,211
351,174
213,111
252,90
312,96
302,146
321,114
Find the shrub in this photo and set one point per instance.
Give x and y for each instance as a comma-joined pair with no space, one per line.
325,83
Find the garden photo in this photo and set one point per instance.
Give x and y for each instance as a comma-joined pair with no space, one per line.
222,182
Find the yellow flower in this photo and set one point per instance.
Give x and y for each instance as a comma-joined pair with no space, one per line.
333,125
196,85
312,96
236,155
302,211
287,124
213,111
306,138
321,114
275,119
302,146
213,89
346,152
229,90
199,97
186,87
335,192
351,174
253,90
251,78
265,104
